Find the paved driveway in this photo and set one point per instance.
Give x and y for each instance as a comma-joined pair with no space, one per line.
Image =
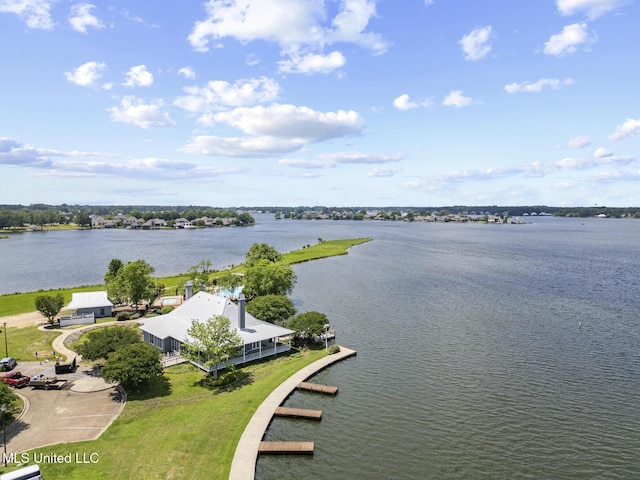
81,410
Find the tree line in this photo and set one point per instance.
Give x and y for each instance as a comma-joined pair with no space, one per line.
17,216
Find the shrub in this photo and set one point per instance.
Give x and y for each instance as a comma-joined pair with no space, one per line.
333,349
166,309
121,316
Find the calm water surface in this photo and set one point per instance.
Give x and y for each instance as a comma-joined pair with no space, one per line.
484,351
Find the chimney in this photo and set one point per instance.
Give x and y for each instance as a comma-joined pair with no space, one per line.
241,302
188,290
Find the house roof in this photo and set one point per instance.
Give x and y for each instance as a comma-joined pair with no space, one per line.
89,300
203,306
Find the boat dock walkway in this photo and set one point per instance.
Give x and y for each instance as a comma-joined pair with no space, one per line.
318,388
243,466
298,413
286,447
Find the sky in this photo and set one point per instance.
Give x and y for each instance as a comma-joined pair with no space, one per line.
233,103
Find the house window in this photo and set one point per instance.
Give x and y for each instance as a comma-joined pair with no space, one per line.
253,346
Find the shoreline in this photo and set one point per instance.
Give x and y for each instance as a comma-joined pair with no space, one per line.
245,458
14,304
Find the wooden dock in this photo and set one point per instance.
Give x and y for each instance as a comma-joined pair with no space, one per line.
298,413
305,448
317,387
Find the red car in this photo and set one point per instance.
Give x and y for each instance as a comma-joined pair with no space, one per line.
15,379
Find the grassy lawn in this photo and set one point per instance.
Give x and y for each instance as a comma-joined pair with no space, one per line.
178,430
17,303
23,343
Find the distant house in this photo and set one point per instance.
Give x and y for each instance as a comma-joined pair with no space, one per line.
96,303
260,339
182,223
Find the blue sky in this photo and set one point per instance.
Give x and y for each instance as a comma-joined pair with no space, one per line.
329,102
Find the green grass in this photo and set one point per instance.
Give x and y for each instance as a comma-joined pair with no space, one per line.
23,343
178,430
328,248
17,303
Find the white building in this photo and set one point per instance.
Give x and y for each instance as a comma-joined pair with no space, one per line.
260,339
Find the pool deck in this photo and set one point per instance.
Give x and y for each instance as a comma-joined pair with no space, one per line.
243,466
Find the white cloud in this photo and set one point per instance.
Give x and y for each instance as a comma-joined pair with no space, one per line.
455,98
382,172
251,60
290,121
428,2
404,103
218,93
475,44
36,13
138,76
568,41
602,153
630,128
312,63
592,8
332,160
145,115
15,153
362,158
187,72
87,74
528,170
305,164
293,24
81,18
241,147
579,142
535,87
275,130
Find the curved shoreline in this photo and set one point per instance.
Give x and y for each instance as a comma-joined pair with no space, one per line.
243,466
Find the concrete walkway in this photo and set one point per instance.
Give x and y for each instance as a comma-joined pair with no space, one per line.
243,466
58,343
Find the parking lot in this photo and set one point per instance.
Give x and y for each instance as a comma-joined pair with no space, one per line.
81,410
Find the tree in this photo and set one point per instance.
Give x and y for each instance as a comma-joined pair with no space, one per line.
229,282
133,365
245,219
262,251
83,219
267,278
49,305
6,395
212,342
101,342
307,325
114,267
271,308
133,282
199,274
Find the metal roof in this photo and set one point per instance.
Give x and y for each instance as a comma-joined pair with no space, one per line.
203,306
89,300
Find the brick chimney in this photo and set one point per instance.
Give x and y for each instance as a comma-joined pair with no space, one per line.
241,302
188,290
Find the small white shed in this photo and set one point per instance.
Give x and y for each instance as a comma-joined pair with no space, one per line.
91,302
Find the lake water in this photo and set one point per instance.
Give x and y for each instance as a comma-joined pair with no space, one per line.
484,351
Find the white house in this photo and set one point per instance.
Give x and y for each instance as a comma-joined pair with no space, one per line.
96,303
261,339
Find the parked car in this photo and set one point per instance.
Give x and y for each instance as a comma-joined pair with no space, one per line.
8,363
16,379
